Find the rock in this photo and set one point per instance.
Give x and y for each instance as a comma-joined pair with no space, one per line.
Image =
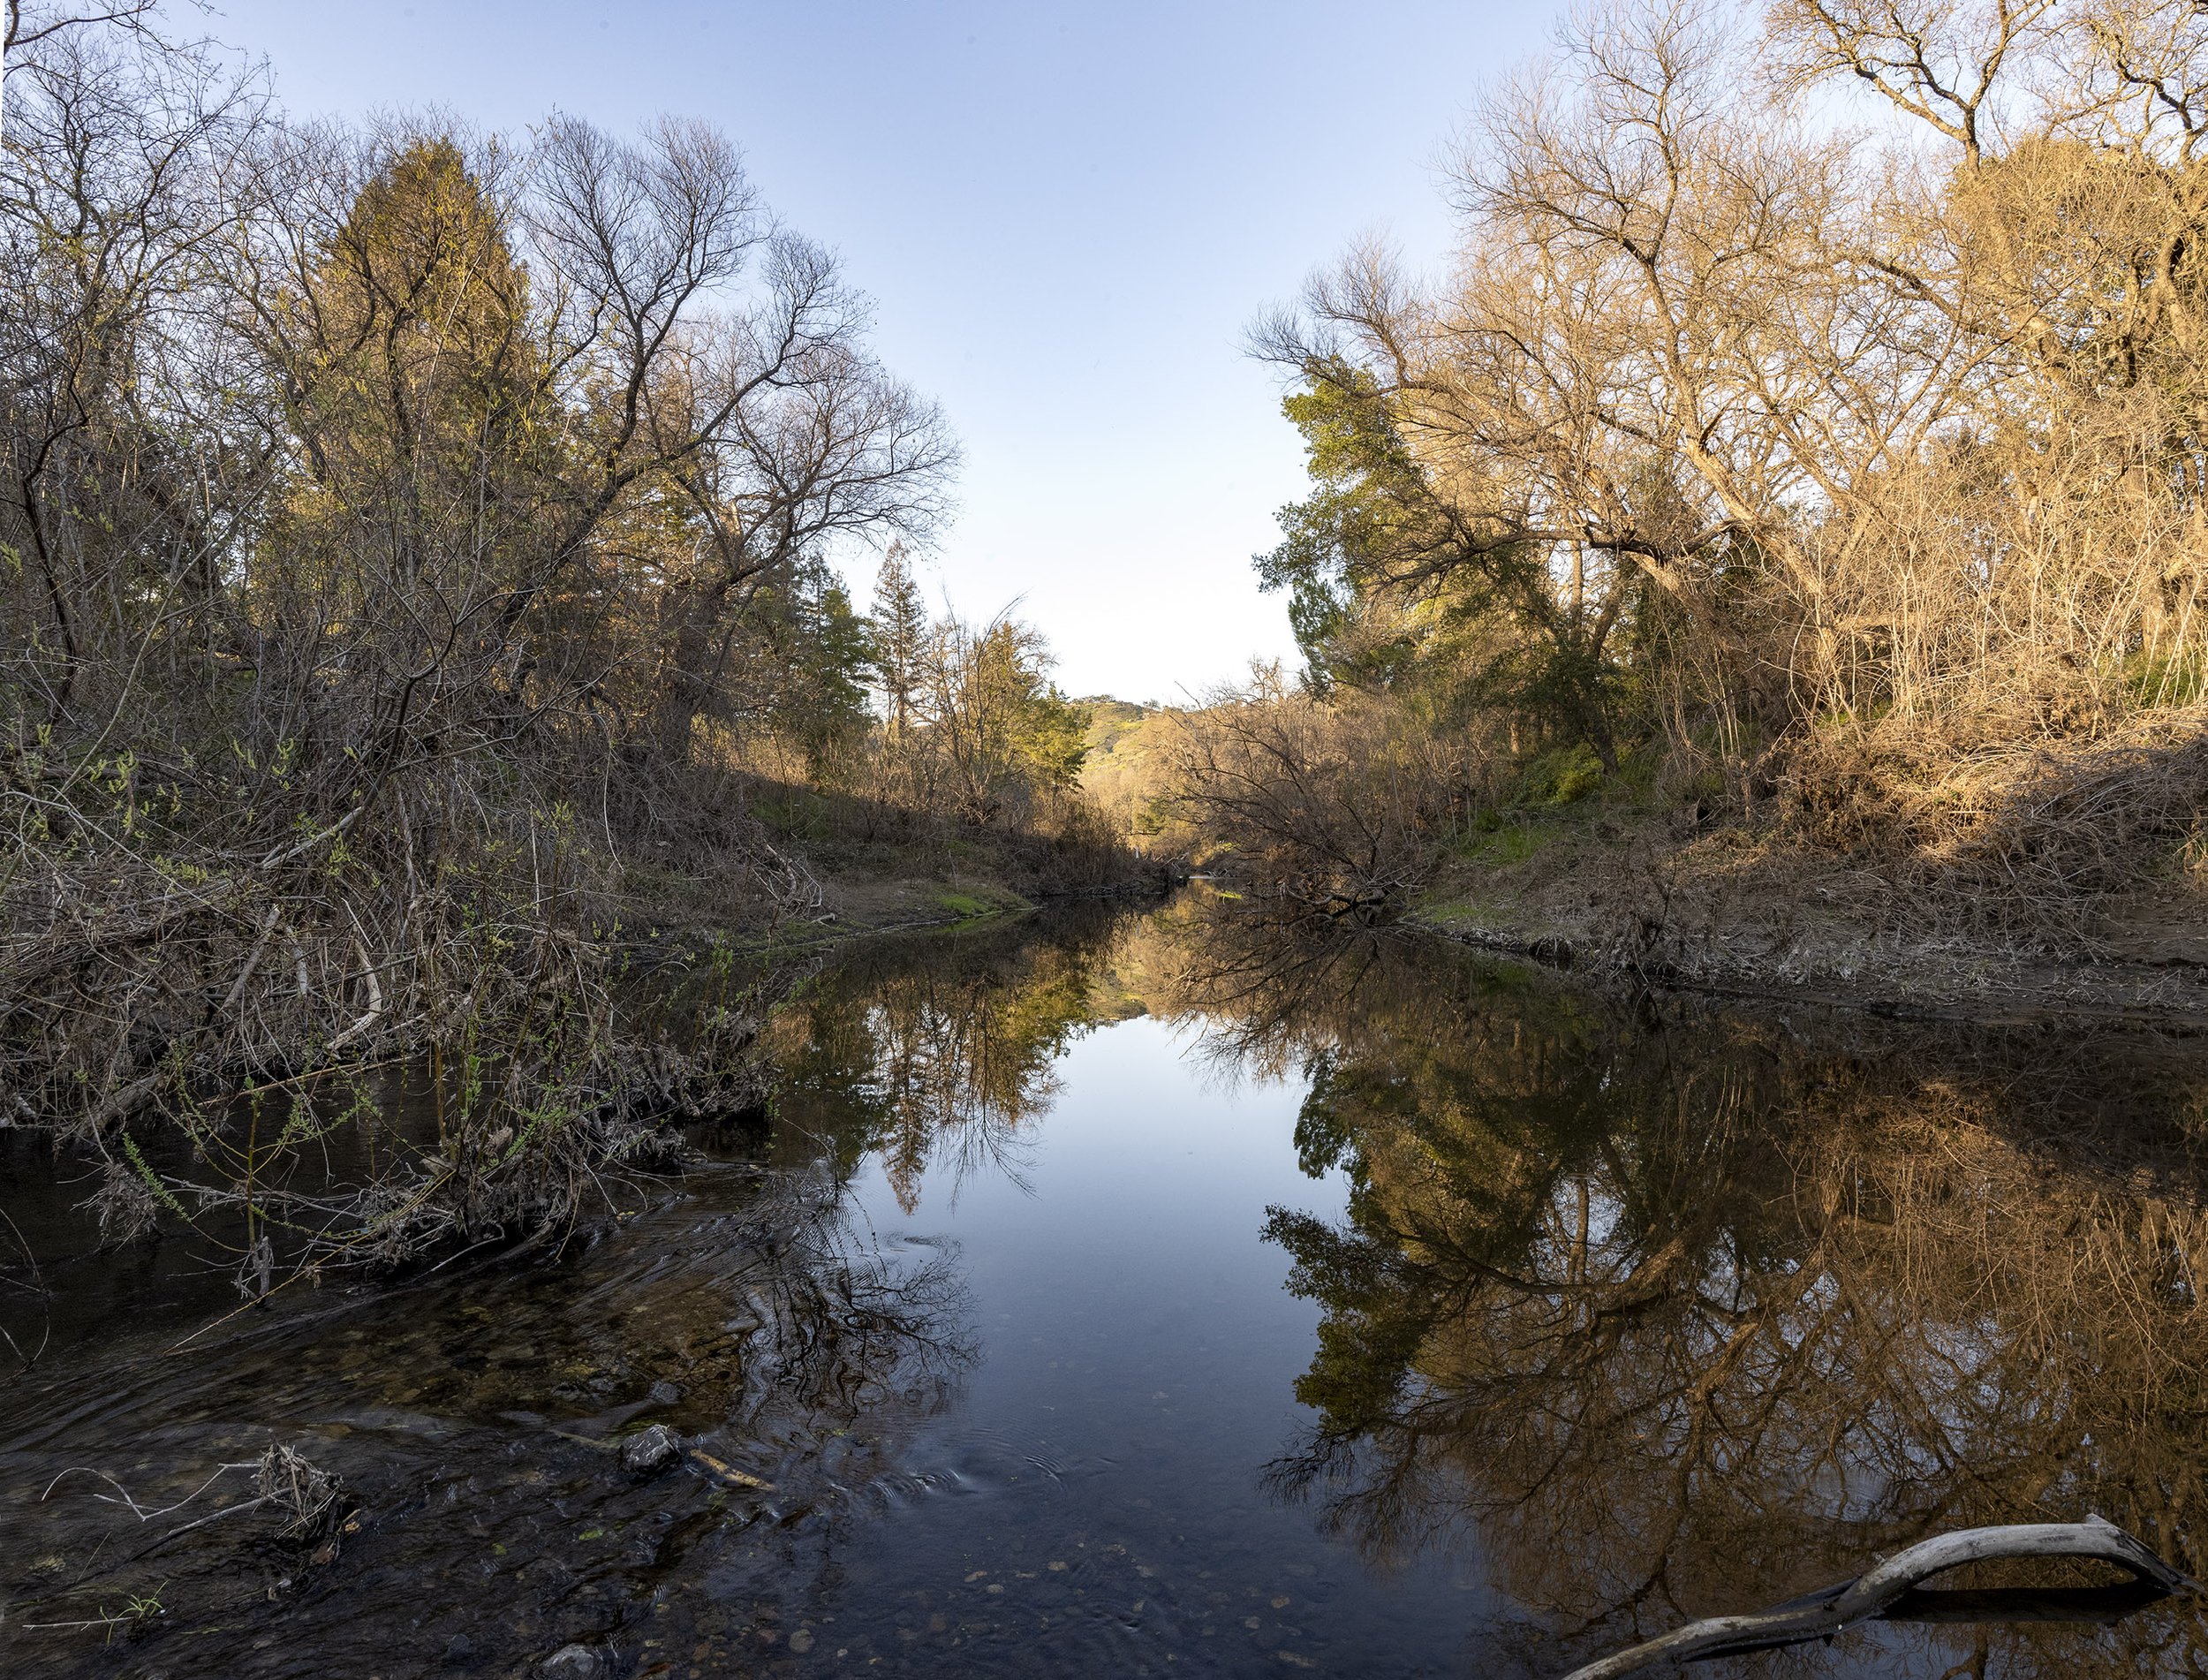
664,1394
801,1641
652,1449
573,1662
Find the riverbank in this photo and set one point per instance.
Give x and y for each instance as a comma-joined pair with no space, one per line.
1733,911
522,1049
934,875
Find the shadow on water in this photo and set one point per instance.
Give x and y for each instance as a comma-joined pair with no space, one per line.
1636,1310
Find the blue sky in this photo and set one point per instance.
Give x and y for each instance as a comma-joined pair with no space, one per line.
1067,216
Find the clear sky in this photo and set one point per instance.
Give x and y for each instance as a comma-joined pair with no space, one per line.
1067,215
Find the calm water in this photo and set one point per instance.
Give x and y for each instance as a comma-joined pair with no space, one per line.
1159,1295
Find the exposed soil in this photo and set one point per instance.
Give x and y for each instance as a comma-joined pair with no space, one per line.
1731,912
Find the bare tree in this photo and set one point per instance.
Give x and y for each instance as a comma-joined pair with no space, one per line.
1861,451
1336,806
378,501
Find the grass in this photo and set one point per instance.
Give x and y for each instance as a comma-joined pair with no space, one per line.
1498,848
1561,776
1446,912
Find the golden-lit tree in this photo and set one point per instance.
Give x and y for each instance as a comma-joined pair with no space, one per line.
1859,463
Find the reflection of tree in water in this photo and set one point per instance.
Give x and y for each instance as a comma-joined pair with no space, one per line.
1686,1314
832,1342
792,1351
938,1057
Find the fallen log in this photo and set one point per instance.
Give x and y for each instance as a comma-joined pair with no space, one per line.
1893,1592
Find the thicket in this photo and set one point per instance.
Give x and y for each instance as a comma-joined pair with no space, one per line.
414,547
1811,421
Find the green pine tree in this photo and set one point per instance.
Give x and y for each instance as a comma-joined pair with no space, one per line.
898,626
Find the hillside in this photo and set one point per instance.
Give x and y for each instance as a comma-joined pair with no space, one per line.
1120,773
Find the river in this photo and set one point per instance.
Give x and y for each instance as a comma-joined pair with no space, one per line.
1158,1292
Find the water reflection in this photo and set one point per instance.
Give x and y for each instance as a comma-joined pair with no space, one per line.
1675,1314
1637,1310
939,1051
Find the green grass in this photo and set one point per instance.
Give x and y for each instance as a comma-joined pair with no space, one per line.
1561,776
1500,847
2151,680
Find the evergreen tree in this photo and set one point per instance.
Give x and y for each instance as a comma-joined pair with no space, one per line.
898,625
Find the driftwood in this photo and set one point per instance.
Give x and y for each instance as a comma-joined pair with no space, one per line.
1892,1591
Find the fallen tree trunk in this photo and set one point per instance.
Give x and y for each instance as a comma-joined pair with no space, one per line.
1890,1592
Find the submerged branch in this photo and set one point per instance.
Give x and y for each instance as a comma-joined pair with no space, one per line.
1889,1592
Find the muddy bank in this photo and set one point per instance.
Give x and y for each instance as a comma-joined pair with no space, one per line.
1734,916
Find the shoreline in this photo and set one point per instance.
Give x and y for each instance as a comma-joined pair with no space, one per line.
1795,947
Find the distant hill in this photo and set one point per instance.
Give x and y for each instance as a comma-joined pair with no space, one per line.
1120,773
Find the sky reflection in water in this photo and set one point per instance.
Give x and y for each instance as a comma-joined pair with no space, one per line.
1599,1313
